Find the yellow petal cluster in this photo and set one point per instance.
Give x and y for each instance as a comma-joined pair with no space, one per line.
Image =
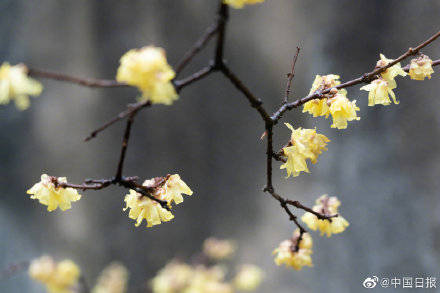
113,279
178,277
173,189
286,252
379,93
304,144
16,85
328,206
420,68
248,278
342,110
147,69
218,249
58,278
391,72
141,207
240,3
173,278
53,196
319,107
169,189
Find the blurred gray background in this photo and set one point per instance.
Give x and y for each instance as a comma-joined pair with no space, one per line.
384,168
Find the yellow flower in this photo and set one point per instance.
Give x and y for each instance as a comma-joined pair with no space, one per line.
58,278
113,279
304,144
286,253
240,3
178,277
342,110
174,188
147,69
319,107
248,278
16,85
328,206
391,72
53,196
218,249
141,207
379,92
420,68
208,280
173,278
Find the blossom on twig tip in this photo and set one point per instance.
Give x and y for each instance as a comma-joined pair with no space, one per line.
15,84
327,206
49,193
147,69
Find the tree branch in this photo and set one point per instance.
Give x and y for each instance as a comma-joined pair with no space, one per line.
89,82
365,78
198,46
290,76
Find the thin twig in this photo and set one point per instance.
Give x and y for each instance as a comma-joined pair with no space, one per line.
290,76
131,108
205,71
124,146
198,46
222,18
89,82
320,216
253,100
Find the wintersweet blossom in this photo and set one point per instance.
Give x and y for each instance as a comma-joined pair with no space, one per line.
390,73
218,249
304,144
49,193
379,93
142,207
178,277
240,3
420,68
288,254
248,278
113,279
328,206
147,69
173,189
319,107
57,277
342,110
15,84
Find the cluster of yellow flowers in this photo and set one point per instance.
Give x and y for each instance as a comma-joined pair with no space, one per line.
142,207
240,3
218,249
15,84
293,255
59,277
49,193
180,277
147,69
327,206
298,256
335,104
304,144
113,279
